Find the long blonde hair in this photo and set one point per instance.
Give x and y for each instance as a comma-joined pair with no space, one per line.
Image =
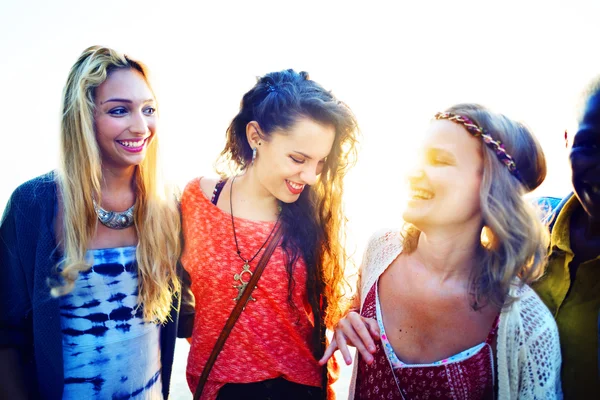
514,238
157,218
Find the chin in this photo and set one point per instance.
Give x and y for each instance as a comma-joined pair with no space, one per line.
591,209
289,198
283,195
590,202
134,163
412,217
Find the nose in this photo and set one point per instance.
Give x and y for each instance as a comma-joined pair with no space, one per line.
139,123
309,175
415,175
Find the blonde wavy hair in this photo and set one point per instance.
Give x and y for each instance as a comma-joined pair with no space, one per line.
514,238
157,219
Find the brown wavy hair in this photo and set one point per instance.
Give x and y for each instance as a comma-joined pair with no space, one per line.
314,225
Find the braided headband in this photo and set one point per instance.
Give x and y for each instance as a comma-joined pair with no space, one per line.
477,131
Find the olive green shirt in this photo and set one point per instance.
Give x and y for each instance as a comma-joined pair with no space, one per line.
576,311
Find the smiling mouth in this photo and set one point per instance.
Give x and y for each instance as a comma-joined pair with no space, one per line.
132,143
133,146
420,194
294,187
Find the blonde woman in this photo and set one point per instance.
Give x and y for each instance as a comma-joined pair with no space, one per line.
91,286
444,309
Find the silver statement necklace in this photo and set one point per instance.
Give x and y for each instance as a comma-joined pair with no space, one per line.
114,219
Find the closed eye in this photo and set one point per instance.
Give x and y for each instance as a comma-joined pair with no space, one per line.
437,157
297,160
439,161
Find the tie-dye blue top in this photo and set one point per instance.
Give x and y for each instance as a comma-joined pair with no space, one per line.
109,351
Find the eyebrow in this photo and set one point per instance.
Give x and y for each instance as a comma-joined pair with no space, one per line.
124,101
437,150
309,157
303,155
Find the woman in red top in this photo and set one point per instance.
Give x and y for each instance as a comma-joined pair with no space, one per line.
292,143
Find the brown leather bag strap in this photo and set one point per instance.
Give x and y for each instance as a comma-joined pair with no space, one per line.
237,310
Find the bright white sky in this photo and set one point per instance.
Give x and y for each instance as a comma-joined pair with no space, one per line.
395,63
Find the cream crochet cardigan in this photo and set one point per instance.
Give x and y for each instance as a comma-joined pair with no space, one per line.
528,348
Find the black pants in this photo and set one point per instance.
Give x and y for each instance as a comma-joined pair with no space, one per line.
272,389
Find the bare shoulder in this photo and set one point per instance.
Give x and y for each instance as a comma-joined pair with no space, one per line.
207,184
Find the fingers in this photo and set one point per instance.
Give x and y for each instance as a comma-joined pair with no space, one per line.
328,352
343,347
353,330
360,335
373,327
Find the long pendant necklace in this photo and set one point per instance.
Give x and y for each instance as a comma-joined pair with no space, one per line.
114,219
246,267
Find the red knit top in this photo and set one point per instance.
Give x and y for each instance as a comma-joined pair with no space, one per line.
270,339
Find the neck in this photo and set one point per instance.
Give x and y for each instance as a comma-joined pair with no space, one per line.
593,229
117,187
590,224
249,190
449,254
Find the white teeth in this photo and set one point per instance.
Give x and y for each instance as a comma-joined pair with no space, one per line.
296,186
421,194
132,144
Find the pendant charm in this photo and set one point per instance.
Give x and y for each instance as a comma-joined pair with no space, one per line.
114,219
242,286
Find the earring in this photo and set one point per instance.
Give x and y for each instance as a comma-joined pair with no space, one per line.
253,154
566,139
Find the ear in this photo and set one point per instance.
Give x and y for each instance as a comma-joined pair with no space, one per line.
254,134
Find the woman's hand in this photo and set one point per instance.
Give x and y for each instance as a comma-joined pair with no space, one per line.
353,330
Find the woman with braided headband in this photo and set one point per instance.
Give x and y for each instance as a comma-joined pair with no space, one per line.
444,309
